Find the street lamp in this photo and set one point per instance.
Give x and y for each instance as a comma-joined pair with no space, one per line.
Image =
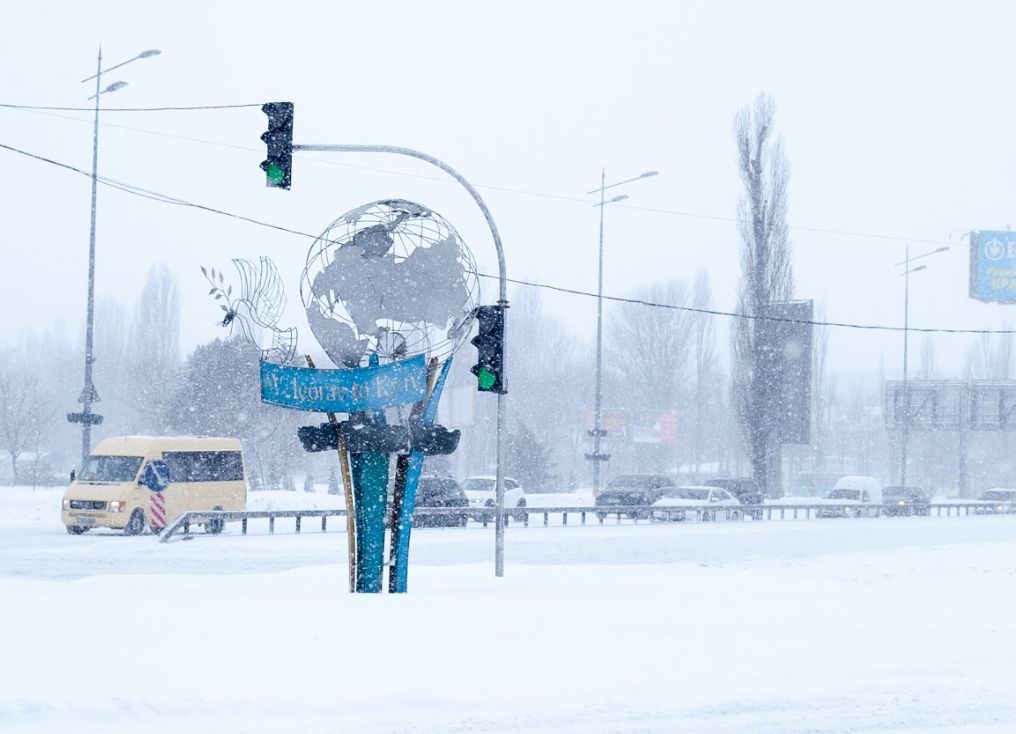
597,457
89,395
907,270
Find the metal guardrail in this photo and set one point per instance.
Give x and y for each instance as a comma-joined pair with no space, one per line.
649,513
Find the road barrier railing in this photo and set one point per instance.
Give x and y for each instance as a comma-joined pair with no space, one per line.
649,514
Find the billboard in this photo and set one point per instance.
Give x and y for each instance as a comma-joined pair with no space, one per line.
993,266
951,405
993,406
794,336
934,404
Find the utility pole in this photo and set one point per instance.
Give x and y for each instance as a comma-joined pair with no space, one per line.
598,432
89,394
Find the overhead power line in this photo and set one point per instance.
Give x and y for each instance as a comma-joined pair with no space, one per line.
736,315
130,109
164,198
490,187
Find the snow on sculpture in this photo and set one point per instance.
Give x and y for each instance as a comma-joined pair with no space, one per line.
257,309
391,278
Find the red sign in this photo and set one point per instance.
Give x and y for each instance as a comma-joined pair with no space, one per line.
668,427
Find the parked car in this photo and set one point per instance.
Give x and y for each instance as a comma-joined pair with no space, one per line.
1001,500
440,492
906,501
633,490
853,496
696,503
744,489
481,492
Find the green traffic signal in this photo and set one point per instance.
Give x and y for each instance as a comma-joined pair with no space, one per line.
275,174
489,343
279,141
485,379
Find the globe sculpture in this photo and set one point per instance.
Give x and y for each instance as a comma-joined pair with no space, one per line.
390,292
387,281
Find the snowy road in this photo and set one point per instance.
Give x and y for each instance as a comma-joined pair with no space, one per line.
33,543
773,628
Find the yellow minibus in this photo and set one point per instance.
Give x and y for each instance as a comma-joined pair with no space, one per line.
205,473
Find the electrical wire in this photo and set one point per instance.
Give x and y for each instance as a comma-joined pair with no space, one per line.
488,187
734,314
164,198
129,109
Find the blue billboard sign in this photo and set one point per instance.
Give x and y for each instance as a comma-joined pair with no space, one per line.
993,266
346,390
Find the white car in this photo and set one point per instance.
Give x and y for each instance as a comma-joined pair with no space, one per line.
481,492
999,499
696,503
853,496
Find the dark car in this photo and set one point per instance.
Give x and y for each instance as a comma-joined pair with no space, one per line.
630,490
440,492
744,489
905,501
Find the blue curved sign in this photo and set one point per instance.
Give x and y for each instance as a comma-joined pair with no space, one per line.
344,391
156,476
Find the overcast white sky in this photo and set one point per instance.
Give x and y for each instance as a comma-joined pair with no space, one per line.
897,120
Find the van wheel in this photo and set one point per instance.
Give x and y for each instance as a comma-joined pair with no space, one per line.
136,524
520,511
215,524
76,529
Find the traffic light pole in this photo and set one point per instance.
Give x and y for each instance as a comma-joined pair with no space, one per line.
502,301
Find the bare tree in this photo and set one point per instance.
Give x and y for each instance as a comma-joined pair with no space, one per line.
154,348
544,365
926,369
708,394
1002,360
19,388
823,394
650,346
766,279
647,357
979,360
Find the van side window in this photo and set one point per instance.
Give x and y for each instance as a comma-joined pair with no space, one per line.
204,466
865,497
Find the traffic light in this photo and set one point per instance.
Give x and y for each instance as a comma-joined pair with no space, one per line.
489,343
279,139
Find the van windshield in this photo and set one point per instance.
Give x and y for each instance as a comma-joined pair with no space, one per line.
110,469
845,494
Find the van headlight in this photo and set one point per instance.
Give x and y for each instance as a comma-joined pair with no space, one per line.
117,506
67,504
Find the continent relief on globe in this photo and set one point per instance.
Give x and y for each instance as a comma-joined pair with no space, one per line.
428,286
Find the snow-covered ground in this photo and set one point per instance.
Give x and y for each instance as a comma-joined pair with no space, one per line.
880,625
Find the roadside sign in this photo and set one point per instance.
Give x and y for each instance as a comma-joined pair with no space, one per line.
157,511
993,266
156,476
